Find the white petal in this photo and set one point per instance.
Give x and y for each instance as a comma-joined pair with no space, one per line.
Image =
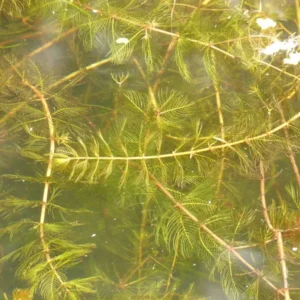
265,23
295,55
122,41
273,48
289,44
293,59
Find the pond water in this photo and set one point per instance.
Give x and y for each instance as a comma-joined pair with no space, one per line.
149,149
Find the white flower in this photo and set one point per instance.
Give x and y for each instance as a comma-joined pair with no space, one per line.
286,45
122,41
273,48
294,59
265,23
289,44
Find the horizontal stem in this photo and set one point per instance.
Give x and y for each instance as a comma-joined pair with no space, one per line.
79,72
190,152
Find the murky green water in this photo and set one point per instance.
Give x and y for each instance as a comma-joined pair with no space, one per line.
149,149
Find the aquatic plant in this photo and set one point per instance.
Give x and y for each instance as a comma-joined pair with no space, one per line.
149,149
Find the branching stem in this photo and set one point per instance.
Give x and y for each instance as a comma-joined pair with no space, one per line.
172,267
290,150
170,49
219,240
297,5
190,152
152,27
79,72
47,184
277,233
51,43
143,234
222,130
151,95
277,69
22,37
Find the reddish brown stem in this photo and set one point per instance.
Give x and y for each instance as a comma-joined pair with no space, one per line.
165,60
289,146
277,234
219,240
22,37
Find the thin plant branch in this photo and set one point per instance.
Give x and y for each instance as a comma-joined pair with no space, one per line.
289,146
47,183
222,130
219,240
12,112
277,234
46,46
22,37
290,95
50,43
172,267
202,8
172,13
79,72
143,234
124,281
190,153
283,265
277,69
254,245
165,60
59,82
69,77
297,5
152,27
263,197
152,99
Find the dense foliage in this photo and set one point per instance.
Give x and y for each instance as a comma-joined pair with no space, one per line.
149,149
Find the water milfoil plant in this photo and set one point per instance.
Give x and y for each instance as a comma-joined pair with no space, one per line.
149,150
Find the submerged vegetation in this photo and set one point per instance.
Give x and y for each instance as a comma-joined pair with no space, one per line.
149,149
